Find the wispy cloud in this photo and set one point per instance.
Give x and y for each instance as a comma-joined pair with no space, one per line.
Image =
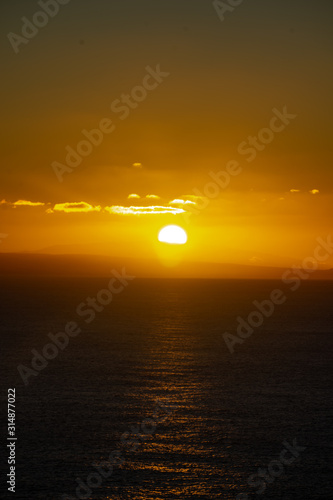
75,207
312,191
22,203
152,210
153,197
178,206
178,201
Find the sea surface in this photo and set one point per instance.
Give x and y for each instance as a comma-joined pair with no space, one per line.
154,362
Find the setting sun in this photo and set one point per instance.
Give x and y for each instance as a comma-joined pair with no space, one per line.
173,235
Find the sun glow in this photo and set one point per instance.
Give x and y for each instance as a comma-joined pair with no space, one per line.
173,235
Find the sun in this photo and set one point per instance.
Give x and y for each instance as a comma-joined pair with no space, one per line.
174,235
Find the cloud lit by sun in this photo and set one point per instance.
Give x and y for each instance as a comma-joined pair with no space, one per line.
153,196
151,210
74,208
22,203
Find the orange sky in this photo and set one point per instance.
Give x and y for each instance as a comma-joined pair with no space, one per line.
175,97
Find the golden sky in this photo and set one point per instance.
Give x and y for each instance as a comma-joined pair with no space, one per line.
122,117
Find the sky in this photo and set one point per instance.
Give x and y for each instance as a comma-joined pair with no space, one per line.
215,120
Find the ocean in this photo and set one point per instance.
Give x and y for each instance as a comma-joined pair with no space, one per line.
147,401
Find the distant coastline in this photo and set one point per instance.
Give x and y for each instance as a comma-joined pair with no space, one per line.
31,264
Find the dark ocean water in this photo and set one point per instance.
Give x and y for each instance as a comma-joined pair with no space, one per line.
161,343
